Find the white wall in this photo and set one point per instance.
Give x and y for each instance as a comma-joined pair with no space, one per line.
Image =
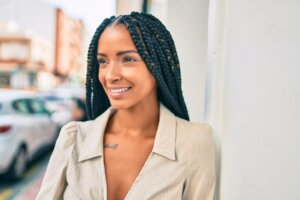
253,97
124,7
187,21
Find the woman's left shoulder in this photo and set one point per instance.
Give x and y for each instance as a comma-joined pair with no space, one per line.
195,135
194,129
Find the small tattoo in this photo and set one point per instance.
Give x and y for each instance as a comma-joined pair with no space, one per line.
113,146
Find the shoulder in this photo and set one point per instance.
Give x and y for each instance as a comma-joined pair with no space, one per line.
192,131
71,133
196,141
67,136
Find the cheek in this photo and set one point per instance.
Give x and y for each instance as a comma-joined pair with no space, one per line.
152,83
101,77
129,72
147,82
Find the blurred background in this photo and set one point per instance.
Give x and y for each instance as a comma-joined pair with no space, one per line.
239,64
43,45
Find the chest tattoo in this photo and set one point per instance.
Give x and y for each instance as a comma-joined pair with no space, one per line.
112,146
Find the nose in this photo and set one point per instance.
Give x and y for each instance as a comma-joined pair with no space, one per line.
113,73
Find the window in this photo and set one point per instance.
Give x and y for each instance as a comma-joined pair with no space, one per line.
37,107
21,106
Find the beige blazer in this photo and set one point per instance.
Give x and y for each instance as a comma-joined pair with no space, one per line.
180,166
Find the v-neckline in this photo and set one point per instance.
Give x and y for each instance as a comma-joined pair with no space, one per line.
104,179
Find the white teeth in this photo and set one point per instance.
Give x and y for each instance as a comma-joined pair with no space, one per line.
119,90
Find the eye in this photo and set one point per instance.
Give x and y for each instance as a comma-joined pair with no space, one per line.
128,59
101,61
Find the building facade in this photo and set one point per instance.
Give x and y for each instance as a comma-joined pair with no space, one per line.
42,45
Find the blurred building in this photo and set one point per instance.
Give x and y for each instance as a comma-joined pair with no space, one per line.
22,58
40,45
69,44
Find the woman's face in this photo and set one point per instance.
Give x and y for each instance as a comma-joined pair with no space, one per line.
122,72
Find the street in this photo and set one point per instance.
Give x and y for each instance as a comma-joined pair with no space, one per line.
28,186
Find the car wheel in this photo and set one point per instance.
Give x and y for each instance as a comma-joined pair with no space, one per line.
19,165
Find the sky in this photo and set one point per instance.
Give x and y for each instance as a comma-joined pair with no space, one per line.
92,12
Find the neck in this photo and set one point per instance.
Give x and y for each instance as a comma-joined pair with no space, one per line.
137,121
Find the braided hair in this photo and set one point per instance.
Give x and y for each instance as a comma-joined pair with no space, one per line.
157,49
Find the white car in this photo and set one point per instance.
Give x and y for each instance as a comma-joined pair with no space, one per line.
25,129
60,108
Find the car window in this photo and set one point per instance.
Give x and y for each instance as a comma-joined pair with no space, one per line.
21,106
37,107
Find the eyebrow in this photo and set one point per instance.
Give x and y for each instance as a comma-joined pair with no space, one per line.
119,53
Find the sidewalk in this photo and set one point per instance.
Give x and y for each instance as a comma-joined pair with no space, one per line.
30,192
28,187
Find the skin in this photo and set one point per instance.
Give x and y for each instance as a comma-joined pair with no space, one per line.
130,132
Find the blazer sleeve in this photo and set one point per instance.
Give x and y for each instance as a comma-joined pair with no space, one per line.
54,181
200,172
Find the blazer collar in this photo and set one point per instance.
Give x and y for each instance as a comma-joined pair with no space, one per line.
164,143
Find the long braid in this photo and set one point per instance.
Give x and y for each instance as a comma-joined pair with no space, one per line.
164,59
173,60
157,49
160,73
154,38
97,100
151,59
168,62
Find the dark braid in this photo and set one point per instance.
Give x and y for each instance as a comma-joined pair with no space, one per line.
158,59
157,49
94,90
172,59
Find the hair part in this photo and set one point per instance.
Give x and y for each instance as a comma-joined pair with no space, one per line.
157,49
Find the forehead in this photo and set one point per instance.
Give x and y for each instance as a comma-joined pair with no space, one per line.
115,36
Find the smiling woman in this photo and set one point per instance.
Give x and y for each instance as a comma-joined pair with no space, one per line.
139,143
123,74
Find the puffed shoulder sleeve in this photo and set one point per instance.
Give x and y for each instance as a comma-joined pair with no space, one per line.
54,182
200,172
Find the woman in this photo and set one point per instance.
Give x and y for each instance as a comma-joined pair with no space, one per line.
139,143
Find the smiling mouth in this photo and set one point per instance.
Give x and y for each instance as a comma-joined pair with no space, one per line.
117,91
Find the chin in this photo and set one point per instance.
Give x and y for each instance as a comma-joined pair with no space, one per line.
121,105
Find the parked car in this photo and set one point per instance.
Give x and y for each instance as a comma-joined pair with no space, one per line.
60,108
25,129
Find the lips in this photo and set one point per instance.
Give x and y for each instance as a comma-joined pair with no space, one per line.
118,91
